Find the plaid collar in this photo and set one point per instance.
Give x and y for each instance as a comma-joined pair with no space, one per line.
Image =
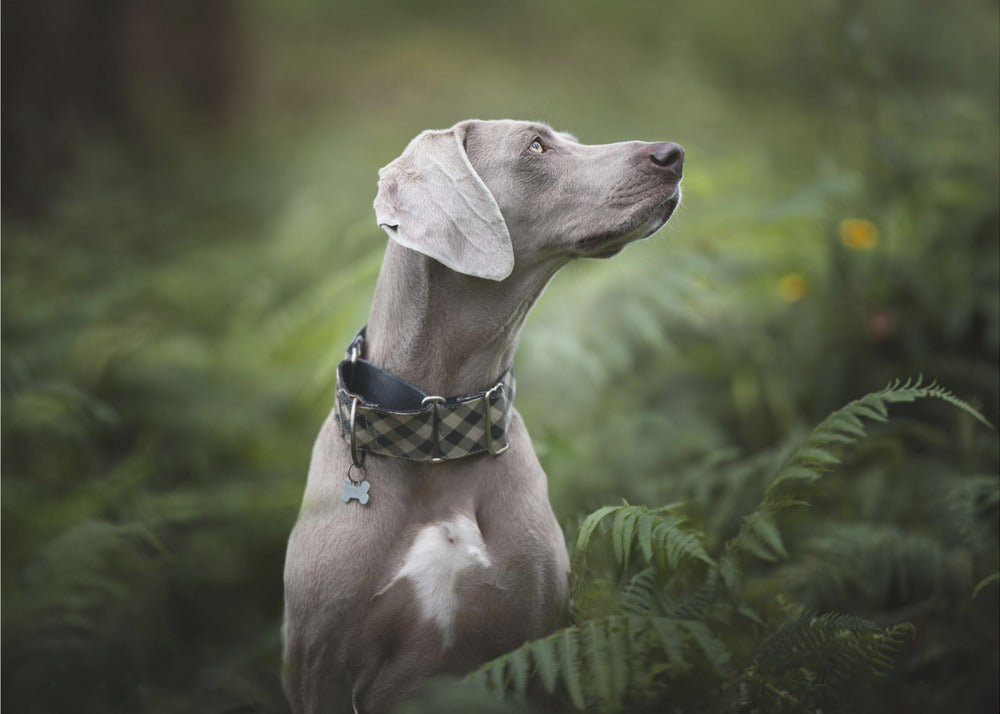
381,414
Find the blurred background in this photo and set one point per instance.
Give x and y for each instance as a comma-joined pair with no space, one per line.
188,245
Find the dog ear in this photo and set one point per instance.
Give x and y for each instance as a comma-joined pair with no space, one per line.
431,200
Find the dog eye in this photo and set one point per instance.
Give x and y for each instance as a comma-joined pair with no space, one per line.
536,147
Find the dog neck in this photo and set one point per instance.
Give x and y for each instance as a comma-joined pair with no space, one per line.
442,331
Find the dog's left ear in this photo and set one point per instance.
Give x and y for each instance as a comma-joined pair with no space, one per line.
431,200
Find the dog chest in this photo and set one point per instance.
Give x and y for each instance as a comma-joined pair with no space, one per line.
442,553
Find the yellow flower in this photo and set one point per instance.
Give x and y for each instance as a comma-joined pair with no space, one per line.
792,287
858,234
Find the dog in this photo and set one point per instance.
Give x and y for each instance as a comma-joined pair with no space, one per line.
426,543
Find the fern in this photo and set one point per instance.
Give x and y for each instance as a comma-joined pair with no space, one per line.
87,602
825,662
601,661
972,506
759,535
991,579
615,540
794,483
879,568
606,662
662,536
639,594
665,632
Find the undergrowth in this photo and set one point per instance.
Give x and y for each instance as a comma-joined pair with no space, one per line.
660,622
172,322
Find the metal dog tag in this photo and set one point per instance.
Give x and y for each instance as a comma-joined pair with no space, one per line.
357,490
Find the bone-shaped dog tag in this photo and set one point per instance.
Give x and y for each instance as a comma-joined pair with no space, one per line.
357,490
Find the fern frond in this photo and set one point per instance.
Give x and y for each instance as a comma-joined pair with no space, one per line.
879,568
637,598
569,659
993,579
546,660
662,536
972,506
600,661
912,390
91,583
759,535
715,651
670,638
497,678
825,662
794,483
519,669
639,644
628,655
590,524
606,662
622,532
845,427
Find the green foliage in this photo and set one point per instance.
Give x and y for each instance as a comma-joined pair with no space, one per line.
875,569
820,663
676,608
172,321
659,535
608,663
992,579
795,481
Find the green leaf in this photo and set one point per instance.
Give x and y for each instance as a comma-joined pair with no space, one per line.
590,523
497,679
546,659
716,652
519,667
993,579
598,658
618,643
760,535
569,656
671,638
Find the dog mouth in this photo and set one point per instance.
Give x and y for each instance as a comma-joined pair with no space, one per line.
611,243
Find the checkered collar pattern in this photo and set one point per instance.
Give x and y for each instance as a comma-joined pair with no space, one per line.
381,414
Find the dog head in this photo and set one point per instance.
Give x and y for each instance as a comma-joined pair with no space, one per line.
485,196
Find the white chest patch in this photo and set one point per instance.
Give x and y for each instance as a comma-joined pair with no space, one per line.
440,553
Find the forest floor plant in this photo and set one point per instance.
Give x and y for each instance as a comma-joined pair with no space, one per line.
661,624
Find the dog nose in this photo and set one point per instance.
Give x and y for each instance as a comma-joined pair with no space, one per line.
668,155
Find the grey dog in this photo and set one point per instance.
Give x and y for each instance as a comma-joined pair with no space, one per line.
453,562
